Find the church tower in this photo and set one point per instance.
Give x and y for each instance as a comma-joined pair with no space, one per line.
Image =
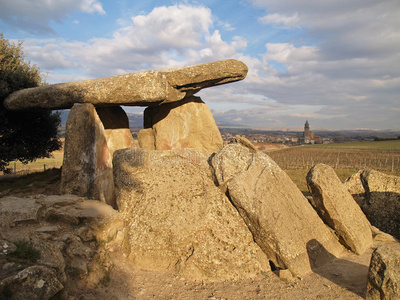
307,134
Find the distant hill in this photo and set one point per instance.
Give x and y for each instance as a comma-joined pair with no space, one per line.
135,120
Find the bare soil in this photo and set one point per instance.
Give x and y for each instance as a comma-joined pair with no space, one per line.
343,278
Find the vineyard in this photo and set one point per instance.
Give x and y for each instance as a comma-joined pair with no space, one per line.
384,160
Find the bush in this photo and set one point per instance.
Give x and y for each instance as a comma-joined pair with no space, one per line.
27,135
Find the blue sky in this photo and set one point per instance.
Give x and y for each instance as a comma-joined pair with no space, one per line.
335,63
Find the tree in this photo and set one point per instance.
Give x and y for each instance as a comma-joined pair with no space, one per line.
25,135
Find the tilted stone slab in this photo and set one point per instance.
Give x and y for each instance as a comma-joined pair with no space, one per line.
282,222
139,89
338,209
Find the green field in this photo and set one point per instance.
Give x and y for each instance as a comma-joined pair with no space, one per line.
345,158
373,145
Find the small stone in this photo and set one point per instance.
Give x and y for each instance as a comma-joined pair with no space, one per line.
85,234
34,283
286,275
9,265
6,247
79,265
47,229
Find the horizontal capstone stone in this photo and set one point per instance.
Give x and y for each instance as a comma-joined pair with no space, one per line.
146,88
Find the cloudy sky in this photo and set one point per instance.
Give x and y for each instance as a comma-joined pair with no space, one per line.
333,62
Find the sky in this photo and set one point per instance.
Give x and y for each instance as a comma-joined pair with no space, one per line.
335,63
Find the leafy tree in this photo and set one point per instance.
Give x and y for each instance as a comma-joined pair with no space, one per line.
25,135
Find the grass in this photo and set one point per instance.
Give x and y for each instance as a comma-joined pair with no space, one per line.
373,145
28,182
55,161
24,253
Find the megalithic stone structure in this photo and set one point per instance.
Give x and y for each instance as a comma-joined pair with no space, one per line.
147,88
97,125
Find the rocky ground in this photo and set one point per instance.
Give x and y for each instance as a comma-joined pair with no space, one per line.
89,262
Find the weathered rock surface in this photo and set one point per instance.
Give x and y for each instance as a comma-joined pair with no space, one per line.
101,219
337,208
355,187
146,139
87,166
51,255
119,139
72,235
282,221
141,88
185,124
380,236
178,220
36,282
384,273
13,211
382,205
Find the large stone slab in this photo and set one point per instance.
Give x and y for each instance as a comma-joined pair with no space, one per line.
382,204
184,124
283,223
140,89
338,209
384,273
178,220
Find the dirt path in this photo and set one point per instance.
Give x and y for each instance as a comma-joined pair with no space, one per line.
343,278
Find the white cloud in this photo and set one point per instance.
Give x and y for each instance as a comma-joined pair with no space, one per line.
166,37
344,62
285,21
35,16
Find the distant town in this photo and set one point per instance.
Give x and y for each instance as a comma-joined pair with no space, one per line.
277,136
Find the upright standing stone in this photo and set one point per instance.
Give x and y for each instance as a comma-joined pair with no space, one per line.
185,124
338,209
116,128
87,166
280,218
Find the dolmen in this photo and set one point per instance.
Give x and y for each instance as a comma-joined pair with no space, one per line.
190,204
97,125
